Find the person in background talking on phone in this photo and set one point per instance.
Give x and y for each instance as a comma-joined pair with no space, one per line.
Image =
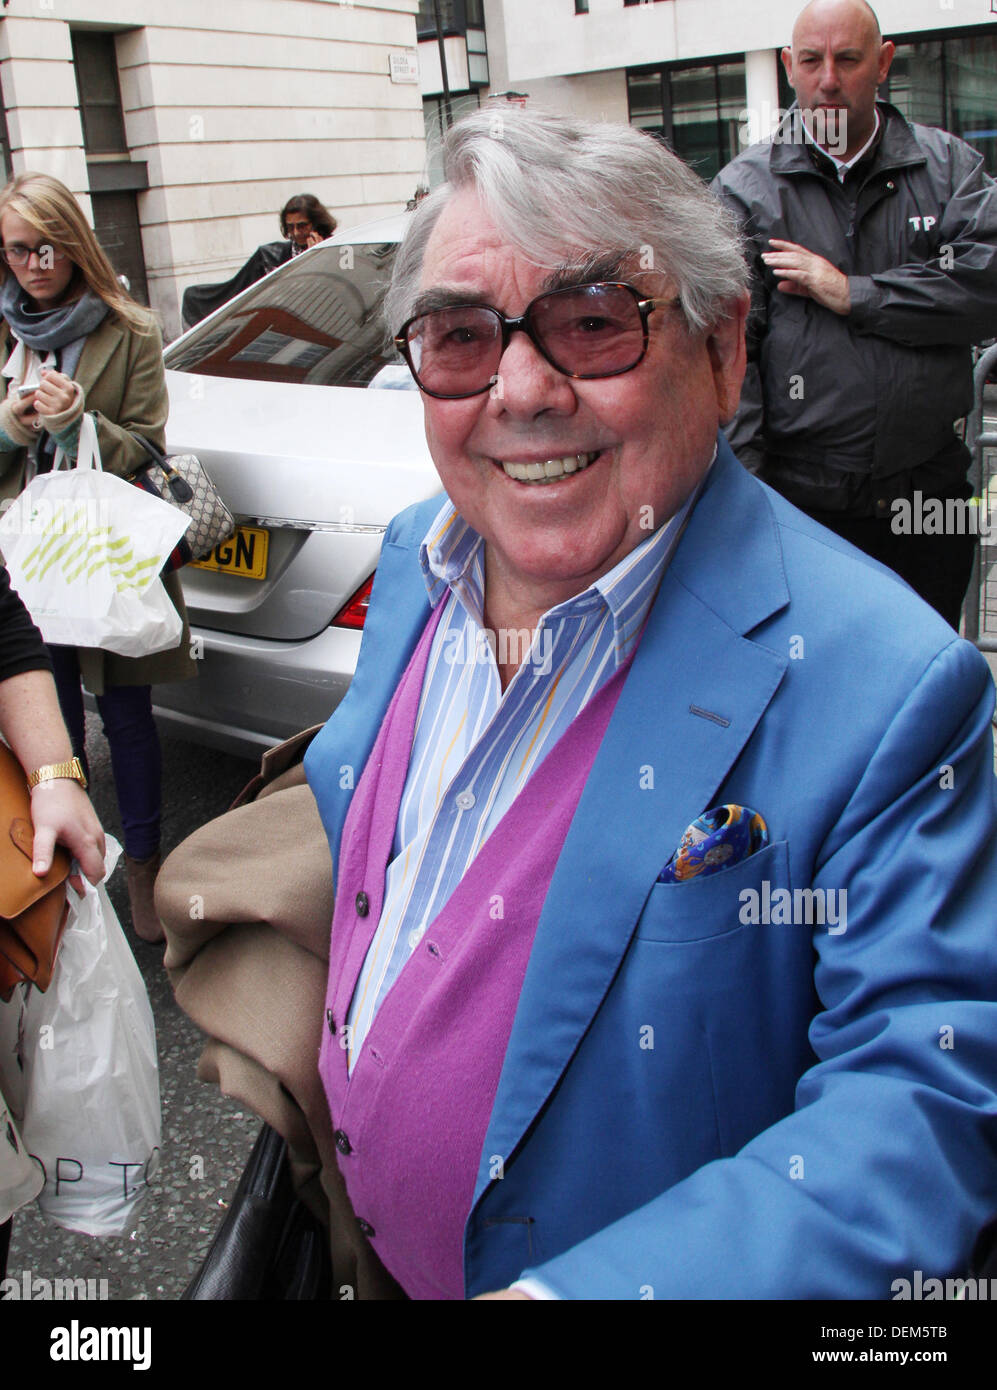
305,222
73,341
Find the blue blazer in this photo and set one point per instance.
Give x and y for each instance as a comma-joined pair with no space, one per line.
701,1099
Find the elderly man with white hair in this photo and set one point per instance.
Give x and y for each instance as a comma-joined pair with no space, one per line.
661,819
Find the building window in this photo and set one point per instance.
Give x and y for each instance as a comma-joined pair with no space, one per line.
114,176
695,107
581,6
456,17
952,83
461,19
116,226
96,67
435,123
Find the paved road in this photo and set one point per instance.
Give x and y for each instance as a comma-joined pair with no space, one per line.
181,1212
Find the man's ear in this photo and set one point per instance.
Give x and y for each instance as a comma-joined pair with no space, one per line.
886,53
787,62
728,357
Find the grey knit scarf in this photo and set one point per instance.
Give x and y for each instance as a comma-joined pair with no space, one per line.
49,330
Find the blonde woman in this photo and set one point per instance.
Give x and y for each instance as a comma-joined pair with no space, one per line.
72,341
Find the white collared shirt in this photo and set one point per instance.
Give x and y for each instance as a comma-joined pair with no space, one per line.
842,166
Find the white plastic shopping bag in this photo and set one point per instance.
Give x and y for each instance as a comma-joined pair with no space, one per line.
84,549
91,1077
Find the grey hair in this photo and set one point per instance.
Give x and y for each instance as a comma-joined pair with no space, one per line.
564,188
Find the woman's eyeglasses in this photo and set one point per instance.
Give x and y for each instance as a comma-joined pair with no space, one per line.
587,331
18,255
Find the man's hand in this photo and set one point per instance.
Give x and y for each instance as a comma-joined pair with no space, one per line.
804,272
313,238
61,812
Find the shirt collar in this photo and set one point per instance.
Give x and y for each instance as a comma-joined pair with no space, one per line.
842,166
452,560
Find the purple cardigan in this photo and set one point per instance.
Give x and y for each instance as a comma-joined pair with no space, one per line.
410,1136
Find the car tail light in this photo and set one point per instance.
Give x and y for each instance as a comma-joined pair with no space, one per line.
353,613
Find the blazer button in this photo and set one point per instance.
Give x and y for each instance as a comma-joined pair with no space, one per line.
366,1227
362,904
342,1142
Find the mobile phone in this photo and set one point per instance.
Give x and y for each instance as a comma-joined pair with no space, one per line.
28,390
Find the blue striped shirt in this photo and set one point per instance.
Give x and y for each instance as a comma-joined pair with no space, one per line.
476,745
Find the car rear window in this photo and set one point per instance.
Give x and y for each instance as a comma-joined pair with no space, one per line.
316,321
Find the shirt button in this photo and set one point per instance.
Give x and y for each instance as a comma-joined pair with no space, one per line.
465,800
342,1142
362,904
366,1228
415,936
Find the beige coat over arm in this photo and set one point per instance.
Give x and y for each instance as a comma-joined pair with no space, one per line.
247,905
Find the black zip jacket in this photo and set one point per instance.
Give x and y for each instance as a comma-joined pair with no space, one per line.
838,411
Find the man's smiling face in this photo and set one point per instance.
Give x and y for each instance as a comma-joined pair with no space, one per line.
639,441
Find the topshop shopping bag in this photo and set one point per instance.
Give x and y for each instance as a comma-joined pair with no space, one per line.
91,1114
84,550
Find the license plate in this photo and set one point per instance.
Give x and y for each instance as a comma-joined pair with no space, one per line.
244,554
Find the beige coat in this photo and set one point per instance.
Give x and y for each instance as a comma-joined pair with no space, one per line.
247,906
121,372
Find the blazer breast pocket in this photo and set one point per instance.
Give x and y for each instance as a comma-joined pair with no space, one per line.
716,905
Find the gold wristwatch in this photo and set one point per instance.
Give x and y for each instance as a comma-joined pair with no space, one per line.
50,771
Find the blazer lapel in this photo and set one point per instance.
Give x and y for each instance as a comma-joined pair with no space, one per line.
694,694
97,350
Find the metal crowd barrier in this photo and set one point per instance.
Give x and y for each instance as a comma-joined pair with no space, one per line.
980,608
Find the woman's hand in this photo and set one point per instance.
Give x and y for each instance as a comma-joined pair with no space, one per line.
23,410
55,394
62,814
31,721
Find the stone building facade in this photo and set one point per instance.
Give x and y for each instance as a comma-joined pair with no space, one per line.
184,126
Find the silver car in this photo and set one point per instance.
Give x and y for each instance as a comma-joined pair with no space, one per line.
272,393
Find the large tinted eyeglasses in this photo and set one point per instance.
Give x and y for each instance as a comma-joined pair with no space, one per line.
585,332
20,255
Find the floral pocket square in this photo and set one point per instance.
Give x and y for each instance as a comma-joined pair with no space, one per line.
716,840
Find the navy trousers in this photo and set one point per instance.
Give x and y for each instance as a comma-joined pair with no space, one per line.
136,758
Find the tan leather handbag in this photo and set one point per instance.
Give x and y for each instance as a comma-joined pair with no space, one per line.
32,910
